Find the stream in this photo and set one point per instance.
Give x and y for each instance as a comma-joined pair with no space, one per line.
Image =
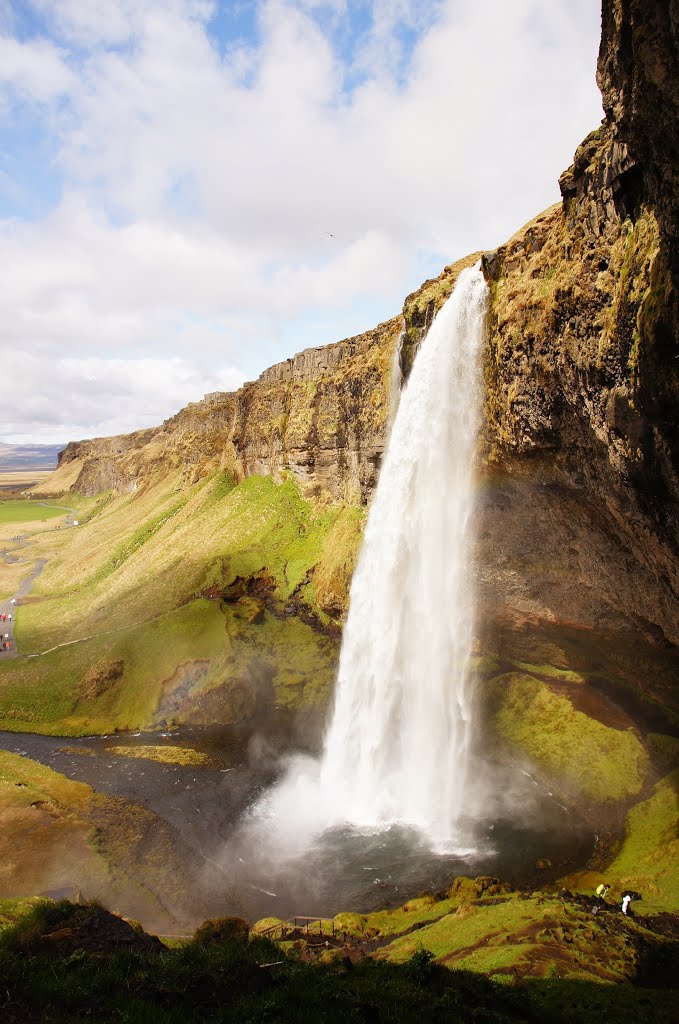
343,868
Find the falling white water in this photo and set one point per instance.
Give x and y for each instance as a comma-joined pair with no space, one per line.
398,746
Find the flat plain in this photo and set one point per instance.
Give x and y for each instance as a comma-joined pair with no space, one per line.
21,479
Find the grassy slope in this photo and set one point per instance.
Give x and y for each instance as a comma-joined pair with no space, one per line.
648,859
59,693
527,934
44,834
55,833
126,586
201,980
149,553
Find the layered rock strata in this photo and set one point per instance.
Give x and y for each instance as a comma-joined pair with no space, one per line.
321,416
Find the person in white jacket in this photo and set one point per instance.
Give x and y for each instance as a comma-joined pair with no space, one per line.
626,900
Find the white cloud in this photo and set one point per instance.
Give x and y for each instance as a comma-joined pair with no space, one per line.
215,195
36,71
61,398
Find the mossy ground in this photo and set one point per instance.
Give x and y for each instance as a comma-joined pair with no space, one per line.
53,693
648,858
150,552
164,755
203,655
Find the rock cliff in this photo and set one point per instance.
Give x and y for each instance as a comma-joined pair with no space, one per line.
321,416
581,504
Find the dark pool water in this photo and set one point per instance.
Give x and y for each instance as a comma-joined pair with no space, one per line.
339,870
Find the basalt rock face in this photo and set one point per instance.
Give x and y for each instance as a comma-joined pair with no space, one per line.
321,416
579,539
638,74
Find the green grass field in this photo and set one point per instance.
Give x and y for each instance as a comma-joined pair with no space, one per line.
26,511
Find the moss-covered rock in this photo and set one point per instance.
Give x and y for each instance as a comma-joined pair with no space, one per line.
594,760
266,924
354,924
218,930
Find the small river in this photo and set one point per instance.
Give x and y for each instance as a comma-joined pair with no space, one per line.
340,870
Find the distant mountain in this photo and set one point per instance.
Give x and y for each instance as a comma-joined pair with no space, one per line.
28,456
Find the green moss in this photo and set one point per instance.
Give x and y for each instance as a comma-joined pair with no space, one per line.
332,574
23,781
601,763
462,929
537,936
13,911
663,749
550,672
265,924
485,666
392,922
353,924
168,754
648,861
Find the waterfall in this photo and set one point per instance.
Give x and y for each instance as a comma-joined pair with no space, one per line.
395,381
397,748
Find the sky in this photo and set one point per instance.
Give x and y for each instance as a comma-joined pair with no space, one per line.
191,191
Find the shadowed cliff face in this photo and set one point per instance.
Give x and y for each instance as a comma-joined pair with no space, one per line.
580,520
638,73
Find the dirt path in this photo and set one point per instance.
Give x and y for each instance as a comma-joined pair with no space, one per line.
66,508
10,604
8,607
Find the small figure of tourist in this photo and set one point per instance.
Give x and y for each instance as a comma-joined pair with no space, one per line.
626,900
602,891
